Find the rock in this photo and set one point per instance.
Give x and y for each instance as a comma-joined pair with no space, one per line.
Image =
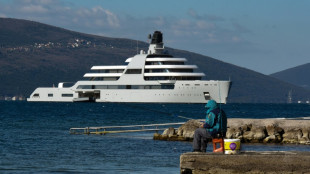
187,130
184,133
292,135
255,135
157,136
269,139
274,133
249,131
169,132
274,130
305,139
233,133
246,127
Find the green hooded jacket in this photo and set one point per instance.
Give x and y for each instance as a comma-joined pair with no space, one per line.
212,125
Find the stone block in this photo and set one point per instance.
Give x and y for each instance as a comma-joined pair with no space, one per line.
245,162
292,136
255,135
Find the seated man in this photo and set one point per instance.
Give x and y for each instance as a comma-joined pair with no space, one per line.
215,126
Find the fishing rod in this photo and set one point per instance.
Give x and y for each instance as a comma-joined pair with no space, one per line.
153,110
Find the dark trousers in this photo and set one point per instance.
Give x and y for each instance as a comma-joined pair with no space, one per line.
201,137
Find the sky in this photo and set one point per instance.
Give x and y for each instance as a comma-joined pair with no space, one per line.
264,36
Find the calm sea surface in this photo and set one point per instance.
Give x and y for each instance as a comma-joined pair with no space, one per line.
34,137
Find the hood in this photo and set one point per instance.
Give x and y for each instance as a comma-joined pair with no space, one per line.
211,105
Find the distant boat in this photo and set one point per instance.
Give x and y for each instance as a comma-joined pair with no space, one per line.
152,77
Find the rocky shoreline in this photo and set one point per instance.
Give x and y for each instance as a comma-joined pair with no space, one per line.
249,131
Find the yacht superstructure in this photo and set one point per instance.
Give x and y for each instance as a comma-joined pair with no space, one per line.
152,77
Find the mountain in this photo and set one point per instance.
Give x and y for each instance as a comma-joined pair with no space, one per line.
35,55
298,75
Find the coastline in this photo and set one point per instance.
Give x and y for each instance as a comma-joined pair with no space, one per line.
284,131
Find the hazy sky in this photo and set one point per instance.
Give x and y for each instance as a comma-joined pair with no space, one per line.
264,35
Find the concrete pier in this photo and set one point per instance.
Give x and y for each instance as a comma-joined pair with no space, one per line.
245,162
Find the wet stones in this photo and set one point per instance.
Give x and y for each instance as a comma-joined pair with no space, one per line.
234,133
183,133
187,130
254,135
305,139
292,135
249,131
274,133
169,132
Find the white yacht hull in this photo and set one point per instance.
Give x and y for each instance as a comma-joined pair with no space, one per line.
183,92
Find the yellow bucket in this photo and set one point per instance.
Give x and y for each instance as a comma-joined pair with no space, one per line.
232,146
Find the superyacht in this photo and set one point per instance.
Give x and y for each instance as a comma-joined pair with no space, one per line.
149,77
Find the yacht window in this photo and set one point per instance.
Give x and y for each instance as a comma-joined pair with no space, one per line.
207,95
156,87
112,71
67,95
84,87
133,71
50,95
113,87
36,95
167,87
158,55
137,86
122,87
164,63
110,78
101,87
101,79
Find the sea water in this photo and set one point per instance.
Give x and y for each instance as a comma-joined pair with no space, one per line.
35,138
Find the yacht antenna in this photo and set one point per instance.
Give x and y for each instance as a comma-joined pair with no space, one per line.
149,37
137,47
219,84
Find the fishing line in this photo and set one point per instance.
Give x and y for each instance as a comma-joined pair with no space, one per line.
219,84
153,110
